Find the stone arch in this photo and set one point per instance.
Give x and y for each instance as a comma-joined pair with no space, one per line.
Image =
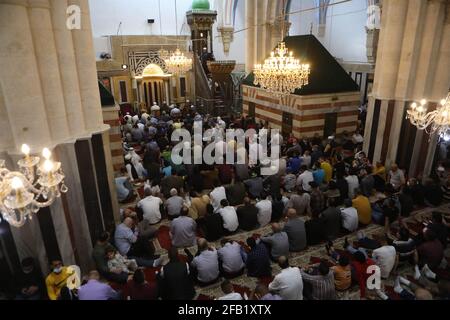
142,63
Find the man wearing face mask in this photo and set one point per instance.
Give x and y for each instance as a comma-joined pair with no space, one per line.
29,281
57,279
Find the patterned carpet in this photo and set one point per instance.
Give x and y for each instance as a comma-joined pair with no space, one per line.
308,257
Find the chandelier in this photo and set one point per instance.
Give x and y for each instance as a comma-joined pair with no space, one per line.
178,63
281,73
437,121
35,186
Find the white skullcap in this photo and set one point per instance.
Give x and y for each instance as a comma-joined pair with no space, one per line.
173,192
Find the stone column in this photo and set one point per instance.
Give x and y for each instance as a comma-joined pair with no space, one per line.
250,35
67,67
87,70
19,78
47,61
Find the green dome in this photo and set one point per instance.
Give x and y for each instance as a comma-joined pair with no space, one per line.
200,5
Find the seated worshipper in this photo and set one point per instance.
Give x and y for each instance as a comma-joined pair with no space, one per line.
367,183
258,260
264,207
431,251
333,193
139,289
360,275
288,284
328,168
247,215
277,208
118,262
229,217
212,224
416,189
137,133
294,163
278,242
314,230
317,201
175,282
339,166
404,245
362,205
432,192
414,291
295,230
406,202
363,243
146,232
205,263
198,205
390,214
134,161
255,186
349,216
126,241
342,274
29,282
231,258
125,191
171,182
396,177
217,195
353,183
318,174
150,207
379,175
236,192
272,185
440,228
306,159
300,202
262,293
342,185
174,204
304,179
183,230
331,220
289,181
99,255
227,288
57,279
96,290
386,258
322,283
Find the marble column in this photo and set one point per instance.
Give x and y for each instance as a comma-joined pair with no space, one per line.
67,68
47,61
19,78
87,70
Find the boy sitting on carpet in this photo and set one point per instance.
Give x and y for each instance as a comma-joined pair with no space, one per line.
117,261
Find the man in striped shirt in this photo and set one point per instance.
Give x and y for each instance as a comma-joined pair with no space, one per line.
322,284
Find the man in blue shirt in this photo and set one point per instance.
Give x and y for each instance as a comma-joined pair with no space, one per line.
258,260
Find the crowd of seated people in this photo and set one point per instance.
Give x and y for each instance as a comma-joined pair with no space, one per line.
323,190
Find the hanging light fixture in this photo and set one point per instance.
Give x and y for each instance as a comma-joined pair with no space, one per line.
437,121
177,62
281,73
35,186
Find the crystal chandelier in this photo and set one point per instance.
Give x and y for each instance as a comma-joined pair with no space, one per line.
35,186
437,121
281,73
178,63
